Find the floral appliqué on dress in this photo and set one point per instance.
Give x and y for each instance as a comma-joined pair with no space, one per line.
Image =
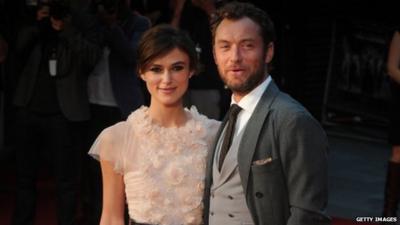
163,168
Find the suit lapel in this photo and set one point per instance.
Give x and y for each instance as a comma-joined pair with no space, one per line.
210,156
252,131
230,163
227,168
209,169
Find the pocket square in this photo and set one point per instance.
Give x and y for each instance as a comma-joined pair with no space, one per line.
262,161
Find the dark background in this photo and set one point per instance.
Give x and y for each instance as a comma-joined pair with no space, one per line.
330,56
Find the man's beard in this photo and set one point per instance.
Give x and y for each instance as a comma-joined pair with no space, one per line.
252,82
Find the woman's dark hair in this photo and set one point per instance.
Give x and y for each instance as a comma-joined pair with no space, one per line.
238,10
159,41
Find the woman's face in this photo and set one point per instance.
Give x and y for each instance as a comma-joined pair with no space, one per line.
167,78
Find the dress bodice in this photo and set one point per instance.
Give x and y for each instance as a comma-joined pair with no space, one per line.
163,168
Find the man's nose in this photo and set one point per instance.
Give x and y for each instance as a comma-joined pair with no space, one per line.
236,55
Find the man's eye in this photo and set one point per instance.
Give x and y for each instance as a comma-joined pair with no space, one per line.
223,45
248,46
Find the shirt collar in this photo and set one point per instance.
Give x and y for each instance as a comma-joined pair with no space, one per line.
249,101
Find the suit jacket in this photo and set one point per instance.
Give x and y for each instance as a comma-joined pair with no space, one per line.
76,57
291,187
123,41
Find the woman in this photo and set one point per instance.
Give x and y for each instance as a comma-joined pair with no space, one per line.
392,190
156,158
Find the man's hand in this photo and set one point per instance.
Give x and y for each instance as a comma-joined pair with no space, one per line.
108,19
42,13
57,24
207,5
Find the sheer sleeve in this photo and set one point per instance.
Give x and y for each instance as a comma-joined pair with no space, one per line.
211,126
110,146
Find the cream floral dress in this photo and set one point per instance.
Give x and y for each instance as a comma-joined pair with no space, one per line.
163,168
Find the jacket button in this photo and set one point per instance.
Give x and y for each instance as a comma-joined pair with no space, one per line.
259,195
212,213
230,197
231,215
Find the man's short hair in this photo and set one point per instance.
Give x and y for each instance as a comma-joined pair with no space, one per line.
239,10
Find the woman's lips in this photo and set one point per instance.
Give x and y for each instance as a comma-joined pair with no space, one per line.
168,90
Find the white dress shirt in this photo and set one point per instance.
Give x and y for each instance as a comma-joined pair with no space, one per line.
248,103
100,90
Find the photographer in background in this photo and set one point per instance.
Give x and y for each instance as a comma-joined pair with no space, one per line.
113,87
3,56
206,84
392,187
52,109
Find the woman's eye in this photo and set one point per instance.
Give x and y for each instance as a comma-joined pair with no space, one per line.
178,68
155,69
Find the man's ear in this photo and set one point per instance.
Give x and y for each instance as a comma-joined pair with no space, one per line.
191,74
270,53
213,52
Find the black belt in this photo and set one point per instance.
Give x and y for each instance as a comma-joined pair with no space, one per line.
131,222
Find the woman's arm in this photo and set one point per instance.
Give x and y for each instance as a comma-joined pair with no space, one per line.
394,58
177,6
113,196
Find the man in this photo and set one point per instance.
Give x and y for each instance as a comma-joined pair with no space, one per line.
275,169
53,109
3,56
122,30
206,84
3,49
113,88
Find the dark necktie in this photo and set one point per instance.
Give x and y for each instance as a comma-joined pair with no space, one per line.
226,144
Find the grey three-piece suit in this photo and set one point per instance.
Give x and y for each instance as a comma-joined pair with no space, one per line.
289,188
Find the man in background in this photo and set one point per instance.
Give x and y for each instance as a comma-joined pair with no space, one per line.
113,87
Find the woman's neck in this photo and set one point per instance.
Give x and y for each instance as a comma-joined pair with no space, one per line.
173,116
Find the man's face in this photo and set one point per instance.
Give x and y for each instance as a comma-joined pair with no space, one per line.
240,55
